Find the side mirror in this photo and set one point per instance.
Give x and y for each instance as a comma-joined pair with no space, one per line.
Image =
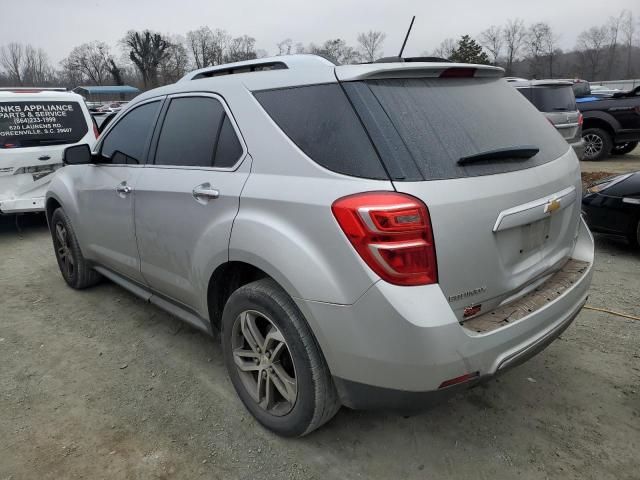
77,155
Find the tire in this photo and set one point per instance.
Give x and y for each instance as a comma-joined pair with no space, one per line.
263,315
72,264
597,144
623,148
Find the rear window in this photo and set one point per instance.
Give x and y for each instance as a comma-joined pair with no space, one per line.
551,99
320,120
35,123
422,127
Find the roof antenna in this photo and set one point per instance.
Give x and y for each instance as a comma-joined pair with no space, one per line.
406,37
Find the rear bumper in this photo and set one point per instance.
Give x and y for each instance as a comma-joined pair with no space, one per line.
360,396
395,346
21,205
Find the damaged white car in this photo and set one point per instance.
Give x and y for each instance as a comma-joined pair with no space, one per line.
36,125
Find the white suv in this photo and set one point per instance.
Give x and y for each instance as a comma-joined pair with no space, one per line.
36,125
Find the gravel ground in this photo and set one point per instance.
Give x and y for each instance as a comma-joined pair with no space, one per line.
98,384
615,164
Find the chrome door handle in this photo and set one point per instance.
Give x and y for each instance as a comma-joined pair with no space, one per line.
124,188
205,191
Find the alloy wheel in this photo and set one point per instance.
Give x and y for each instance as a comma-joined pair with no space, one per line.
63,250
593,145
264,362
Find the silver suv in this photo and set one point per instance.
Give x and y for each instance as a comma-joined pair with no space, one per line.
374,236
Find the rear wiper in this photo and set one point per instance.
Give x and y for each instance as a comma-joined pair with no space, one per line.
522,152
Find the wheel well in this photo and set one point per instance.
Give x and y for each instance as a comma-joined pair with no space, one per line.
226,279
50,207
598,123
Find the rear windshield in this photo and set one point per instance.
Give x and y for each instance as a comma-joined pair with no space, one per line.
35,123
412,129
551,99
422,127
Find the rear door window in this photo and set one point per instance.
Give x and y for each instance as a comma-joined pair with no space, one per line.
35,123
197,132
422,127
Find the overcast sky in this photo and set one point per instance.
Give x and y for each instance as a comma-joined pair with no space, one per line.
58,26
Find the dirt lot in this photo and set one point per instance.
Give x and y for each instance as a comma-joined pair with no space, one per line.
98,384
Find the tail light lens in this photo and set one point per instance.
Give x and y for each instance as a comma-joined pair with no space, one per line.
392,233
580,119
95,130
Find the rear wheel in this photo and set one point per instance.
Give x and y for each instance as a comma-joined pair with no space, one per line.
274,361
597,144
72,264
623,148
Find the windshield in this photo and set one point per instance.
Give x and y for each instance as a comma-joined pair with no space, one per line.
34,123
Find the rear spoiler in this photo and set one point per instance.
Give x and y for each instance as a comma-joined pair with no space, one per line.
375,71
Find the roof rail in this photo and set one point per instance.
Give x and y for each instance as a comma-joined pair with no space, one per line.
259,64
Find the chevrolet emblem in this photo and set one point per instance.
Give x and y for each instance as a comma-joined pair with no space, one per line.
552,206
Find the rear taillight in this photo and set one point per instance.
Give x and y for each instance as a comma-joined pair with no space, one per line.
392,233
580,119
95,130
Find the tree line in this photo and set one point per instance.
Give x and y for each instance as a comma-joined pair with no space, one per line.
148,59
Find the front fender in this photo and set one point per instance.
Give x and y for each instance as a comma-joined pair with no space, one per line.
61,190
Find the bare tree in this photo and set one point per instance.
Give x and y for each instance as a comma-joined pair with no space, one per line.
335,50
492,39
628,34
613,29
37,70
241,48
536,43
446,48
147,50
91,60
371,45
176,62
514,35
201,45
285,46
12,58
550,47
590,45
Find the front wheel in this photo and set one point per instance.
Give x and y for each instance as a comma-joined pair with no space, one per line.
623,148
597,144
72,264
274,362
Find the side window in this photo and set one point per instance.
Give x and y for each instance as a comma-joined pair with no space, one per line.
189,132
126,141
229,149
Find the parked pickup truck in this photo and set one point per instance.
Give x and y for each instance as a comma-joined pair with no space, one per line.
611,124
